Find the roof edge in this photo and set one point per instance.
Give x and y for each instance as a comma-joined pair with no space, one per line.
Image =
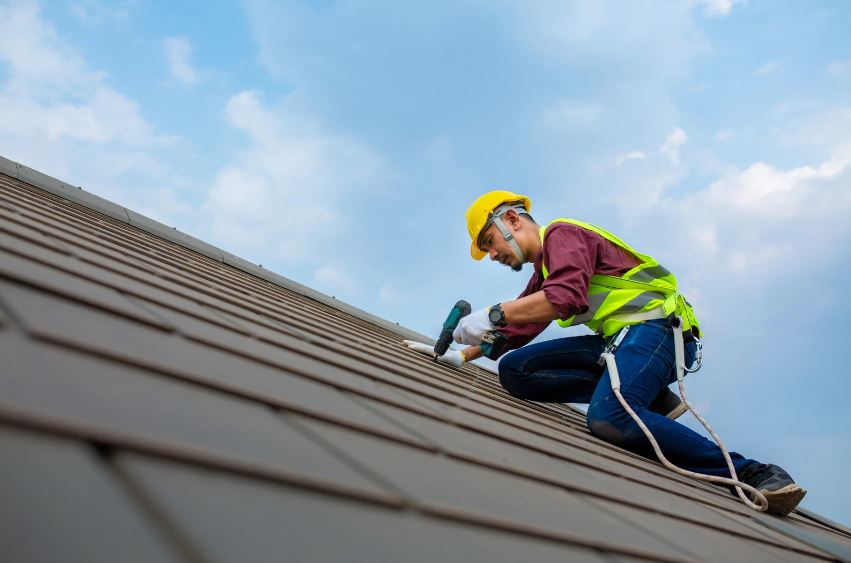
78,195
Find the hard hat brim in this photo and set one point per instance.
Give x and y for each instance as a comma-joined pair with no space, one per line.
476,252
478,213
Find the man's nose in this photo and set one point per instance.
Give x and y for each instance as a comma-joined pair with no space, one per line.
493,253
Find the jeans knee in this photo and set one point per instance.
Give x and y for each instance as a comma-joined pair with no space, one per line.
510,377
604,425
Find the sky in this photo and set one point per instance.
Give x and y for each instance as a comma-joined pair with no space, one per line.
338,143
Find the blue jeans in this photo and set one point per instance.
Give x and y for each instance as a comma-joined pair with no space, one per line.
566,371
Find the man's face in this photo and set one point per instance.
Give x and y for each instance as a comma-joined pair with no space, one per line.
498,249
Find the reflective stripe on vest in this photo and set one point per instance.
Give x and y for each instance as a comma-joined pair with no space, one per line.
646,286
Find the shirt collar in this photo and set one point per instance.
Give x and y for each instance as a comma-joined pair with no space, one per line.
538,260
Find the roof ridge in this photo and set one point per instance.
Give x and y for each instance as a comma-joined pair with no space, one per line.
78,195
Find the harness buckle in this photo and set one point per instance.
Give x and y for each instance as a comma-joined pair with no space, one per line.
613,345
698,357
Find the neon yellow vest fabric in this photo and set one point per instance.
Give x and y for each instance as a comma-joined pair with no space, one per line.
644,287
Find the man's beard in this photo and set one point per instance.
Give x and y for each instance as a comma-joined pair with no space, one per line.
517,268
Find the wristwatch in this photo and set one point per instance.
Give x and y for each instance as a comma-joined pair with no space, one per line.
496,315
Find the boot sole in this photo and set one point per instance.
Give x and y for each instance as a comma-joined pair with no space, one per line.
783,501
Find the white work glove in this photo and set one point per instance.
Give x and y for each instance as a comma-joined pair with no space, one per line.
451,357
473,327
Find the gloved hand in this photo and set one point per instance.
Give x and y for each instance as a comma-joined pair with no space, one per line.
473,327
451,357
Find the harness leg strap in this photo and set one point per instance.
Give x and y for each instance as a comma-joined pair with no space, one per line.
679,358
679,349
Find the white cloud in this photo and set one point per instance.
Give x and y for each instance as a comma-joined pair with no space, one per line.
754,225
636,38
571,111
334,279
634,155
38,60
178,51
292,192
62,117
761,220
826,129
389,296
106,117
287,199
768,68
52,94
723,135
440,150
673,143
840,68
761,191
719,8
93,12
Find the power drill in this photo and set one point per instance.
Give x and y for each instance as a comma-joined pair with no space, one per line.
493,343
459,310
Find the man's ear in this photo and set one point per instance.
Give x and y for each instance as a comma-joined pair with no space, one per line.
513,219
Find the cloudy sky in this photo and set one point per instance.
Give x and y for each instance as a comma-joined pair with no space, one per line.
339,142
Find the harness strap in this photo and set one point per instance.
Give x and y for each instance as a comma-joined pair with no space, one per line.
508,236
679,354
651,315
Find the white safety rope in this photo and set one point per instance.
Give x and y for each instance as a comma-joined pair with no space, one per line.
679,358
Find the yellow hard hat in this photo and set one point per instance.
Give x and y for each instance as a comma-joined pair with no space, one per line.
479,213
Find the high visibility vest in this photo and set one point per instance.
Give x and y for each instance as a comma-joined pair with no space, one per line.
611,299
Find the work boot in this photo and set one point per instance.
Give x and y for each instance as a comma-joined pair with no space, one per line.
780,490
668,404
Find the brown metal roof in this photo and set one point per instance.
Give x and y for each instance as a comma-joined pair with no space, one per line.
163,400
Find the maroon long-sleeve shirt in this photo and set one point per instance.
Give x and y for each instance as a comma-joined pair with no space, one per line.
572,255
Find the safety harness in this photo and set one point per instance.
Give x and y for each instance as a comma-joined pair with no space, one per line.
644,293
608,357
617,301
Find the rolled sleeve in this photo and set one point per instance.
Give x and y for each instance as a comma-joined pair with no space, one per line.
521,334
570,255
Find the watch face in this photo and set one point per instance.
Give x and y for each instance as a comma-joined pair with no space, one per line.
496,315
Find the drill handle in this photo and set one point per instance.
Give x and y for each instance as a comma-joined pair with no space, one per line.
493,344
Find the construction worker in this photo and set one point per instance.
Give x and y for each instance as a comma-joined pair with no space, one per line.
585,275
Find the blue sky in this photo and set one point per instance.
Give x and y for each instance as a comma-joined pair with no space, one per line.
339,142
